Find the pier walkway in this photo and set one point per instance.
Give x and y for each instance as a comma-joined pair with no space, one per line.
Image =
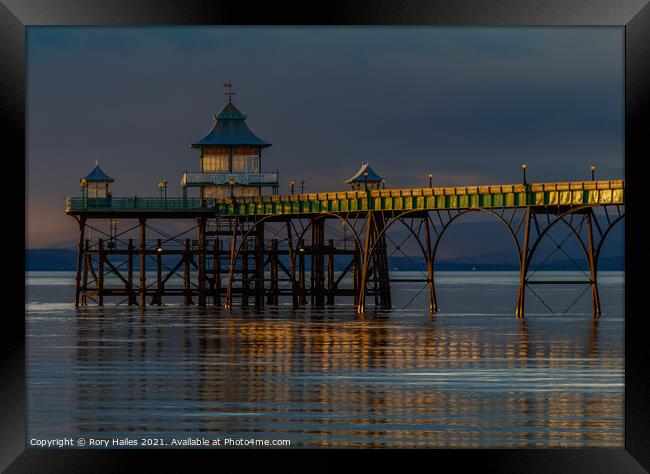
437,198
262,248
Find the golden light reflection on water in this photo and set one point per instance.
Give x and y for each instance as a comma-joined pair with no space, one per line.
327,379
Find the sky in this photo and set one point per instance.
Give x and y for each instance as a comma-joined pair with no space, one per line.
466,104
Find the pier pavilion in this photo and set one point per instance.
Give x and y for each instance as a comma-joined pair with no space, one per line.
366,178
230,158
95,184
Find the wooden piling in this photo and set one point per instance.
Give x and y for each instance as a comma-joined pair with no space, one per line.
356,276
131,295
317,263
80,258
143,266
87,263
292,266
302,297
231,268
187,290
273,298
160,288
244,274
331,289
259,266
100,279
201,250
216,273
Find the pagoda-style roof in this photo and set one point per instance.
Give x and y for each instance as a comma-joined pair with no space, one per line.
97,174
360,178
230,112
230,129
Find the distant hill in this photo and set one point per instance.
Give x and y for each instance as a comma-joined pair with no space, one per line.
51,260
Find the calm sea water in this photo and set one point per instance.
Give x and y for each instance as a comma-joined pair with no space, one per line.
472,376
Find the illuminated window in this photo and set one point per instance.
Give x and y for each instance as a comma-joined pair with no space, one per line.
238,164
216,192
245,164
252,163
215,159
98,190
215,163
244,191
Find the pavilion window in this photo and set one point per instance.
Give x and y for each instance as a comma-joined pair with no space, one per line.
97,190
238,164
215,163
245,191
250,191
252,164
245,164
217,192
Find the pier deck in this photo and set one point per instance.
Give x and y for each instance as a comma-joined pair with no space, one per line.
439,198
248,248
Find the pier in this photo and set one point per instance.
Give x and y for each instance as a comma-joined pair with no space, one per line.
238,251
241,247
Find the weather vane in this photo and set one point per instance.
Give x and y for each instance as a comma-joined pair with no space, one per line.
228,86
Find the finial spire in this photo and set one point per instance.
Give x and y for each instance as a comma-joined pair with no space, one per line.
96,162
228,86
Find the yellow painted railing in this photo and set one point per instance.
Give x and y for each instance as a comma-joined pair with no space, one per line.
459,197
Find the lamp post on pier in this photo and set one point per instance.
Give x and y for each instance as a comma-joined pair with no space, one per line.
84,191
430,176
113,240
365,176
231,182
291,185
593,172
162,185
302,185
523,167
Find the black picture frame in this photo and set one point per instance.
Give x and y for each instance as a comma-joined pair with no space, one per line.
633,15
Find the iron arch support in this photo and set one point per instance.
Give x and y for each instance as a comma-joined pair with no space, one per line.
371,248
447,225
461,213
578,238
602,238
417,238
541,235
434,250
439,235
389,224
530,253
322,215
507,226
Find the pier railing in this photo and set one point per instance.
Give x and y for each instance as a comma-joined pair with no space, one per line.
211,179
135,203
495,196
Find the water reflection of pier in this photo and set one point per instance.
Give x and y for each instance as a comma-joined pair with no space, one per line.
354,383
